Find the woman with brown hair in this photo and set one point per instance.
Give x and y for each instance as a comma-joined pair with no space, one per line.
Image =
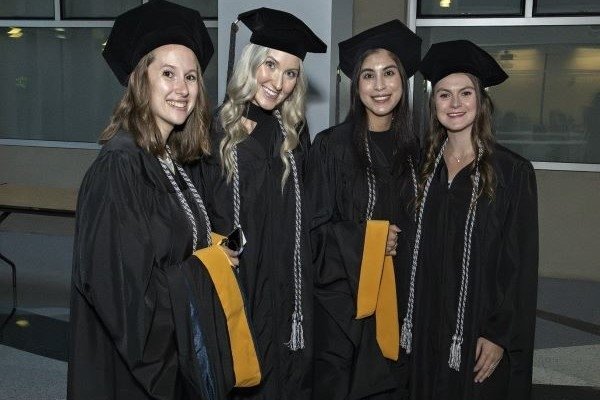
471,305
156,312
361,184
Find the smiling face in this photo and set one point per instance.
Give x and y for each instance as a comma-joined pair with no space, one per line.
380,88
455,99
173,78
276,79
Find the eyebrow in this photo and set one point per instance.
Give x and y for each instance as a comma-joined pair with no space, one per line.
384,68
174,67
270,58
442,89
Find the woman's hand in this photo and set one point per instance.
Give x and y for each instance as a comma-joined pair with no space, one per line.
232,255
488,356
392,240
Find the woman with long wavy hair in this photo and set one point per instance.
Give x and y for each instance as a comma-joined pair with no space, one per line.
155,309
254,182
471,304
361,184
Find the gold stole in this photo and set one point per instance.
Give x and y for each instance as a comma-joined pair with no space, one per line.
377,289
245,361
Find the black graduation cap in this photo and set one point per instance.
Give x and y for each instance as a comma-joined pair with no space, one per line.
446,58
283,31
277,30
393,36
156,23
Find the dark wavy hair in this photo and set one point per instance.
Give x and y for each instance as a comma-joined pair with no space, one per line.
133,114
402,124
482,131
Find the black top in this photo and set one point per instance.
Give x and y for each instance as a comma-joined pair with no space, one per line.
266,265
145,319
348,361
385,143
501,297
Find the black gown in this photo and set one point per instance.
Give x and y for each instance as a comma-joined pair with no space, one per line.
266,264
501,296
348,362
145,320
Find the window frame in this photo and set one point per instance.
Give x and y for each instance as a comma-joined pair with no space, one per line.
414,22
57,22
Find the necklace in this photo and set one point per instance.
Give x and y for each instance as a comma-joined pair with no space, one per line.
461,158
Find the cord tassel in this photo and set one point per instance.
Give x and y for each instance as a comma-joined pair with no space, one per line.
455,352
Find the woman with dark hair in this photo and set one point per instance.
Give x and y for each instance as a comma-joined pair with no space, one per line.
471,310
156,312
254,181
361,185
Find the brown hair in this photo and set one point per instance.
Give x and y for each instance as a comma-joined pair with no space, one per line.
133,114
481,132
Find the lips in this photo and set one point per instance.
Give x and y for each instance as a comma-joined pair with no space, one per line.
456,114
181,105
270,93
381,98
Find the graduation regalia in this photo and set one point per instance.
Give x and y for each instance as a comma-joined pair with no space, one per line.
274,269
502,283
348,361
265,272
152,317
475,268
145,319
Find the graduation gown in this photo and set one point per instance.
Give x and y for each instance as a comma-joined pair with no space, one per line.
266,264
502,286
348,362
145,320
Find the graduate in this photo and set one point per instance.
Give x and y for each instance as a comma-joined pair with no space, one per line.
469,325
362,184
254,185
156,311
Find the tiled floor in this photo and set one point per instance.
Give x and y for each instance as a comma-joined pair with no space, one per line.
33,343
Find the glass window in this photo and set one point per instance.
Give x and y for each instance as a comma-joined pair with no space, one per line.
56,85
88,9
566,7
27,9
207,8
549,108
461,8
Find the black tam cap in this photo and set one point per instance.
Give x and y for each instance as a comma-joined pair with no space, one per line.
282,31
393,36
446,58
156,23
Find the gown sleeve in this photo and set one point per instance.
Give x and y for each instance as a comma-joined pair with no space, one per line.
512,323
151,308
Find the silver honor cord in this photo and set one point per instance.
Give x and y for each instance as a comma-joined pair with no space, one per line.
183,201
296,341
236,188
371,183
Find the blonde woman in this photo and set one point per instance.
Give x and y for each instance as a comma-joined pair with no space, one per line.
254,184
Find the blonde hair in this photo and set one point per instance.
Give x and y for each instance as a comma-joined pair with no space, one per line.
241,89
134,115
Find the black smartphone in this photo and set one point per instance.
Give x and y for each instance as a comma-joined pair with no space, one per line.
235,240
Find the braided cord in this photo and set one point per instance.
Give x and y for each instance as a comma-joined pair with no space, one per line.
413,175
296,341
371,183
236,188
406,335
454,359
